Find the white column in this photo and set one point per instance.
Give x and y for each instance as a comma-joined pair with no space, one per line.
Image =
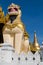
18,41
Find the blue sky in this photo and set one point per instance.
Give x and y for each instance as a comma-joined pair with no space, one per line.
32,15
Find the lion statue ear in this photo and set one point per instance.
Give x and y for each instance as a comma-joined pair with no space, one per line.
19,13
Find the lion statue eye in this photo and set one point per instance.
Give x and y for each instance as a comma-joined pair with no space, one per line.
9,9
16,9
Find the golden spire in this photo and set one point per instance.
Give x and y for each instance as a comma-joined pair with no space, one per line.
35,44
2,17
35,40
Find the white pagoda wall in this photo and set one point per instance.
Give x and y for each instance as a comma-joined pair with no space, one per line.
9,56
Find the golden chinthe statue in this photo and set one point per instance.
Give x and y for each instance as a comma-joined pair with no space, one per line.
17,48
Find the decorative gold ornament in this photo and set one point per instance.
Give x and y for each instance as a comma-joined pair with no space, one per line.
26,36
13,25
7,18
0,9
